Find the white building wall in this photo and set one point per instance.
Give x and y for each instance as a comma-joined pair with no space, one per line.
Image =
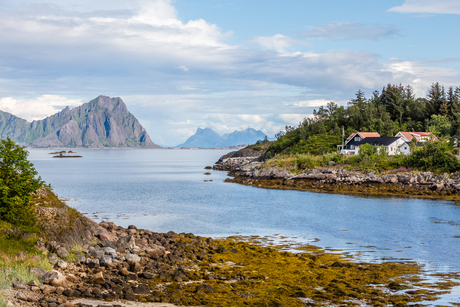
405,149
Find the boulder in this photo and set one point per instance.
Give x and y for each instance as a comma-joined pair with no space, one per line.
61,264
48,290
51,246
106,260
49,276
59,281
53,258
98,278
18,285
37,272
132,258
62,252
142,289
92,263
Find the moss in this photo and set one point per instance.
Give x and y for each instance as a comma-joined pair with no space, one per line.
241,272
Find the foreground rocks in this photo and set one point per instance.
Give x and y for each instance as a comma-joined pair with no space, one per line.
129,264
140,266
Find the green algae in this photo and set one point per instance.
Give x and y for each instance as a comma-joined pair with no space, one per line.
240,272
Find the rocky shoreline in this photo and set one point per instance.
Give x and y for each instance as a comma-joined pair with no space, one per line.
249,170
136,267
105,265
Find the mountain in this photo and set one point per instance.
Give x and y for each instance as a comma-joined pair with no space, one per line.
205,138
208,138
248,136
103,122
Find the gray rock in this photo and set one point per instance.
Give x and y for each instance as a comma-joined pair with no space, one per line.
49,276
52,258
37,272
51,246
97,254
110,251
132,258
92,263
106,260
62,264
62,252
18,285
21,296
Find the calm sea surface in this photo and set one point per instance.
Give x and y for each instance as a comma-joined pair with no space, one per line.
164,190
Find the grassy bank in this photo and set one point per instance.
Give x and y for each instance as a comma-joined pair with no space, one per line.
17,255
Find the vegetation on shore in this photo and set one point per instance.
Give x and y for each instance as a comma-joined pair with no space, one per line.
314,142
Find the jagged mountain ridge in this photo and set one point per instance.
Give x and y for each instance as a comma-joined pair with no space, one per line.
103,122
208,138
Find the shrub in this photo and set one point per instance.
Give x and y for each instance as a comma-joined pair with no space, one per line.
434,156
18,179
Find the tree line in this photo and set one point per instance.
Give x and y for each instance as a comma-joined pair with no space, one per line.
387,112
393,109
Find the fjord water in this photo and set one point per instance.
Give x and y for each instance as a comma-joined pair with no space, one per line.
164,190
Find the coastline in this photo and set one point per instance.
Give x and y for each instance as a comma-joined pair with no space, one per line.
248,170
137,267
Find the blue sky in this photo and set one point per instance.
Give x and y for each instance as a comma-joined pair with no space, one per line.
225,65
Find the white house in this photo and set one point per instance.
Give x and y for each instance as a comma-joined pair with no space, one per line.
392,145
420,137
349,148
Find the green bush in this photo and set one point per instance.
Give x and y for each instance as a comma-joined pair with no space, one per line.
434,156
18,179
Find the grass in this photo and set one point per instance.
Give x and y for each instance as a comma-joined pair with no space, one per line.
299,162
13,268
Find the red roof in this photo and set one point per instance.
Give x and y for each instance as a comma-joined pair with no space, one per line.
410,135
364,135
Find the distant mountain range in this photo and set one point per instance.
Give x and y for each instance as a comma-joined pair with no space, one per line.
208,138
103,122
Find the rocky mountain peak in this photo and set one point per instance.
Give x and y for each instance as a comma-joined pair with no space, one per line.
103,122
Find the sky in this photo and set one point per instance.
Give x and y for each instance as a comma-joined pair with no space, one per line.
225,65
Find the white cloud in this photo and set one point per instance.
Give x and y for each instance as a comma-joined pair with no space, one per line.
350,31
278,42
420,75
313,103
428,6
292,119
183,67
38,108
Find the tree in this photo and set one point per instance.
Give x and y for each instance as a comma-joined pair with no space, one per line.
439,124
18,179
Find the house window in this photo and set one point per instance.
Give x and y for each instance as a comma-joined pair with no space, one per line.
352,147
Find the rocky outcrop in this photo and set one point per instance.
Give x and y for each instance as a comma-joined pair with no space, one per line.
103,122
238,160
246,169
60,223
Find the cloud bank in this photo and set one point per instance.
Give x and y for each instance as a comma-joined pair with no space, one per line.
177,75
428,6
